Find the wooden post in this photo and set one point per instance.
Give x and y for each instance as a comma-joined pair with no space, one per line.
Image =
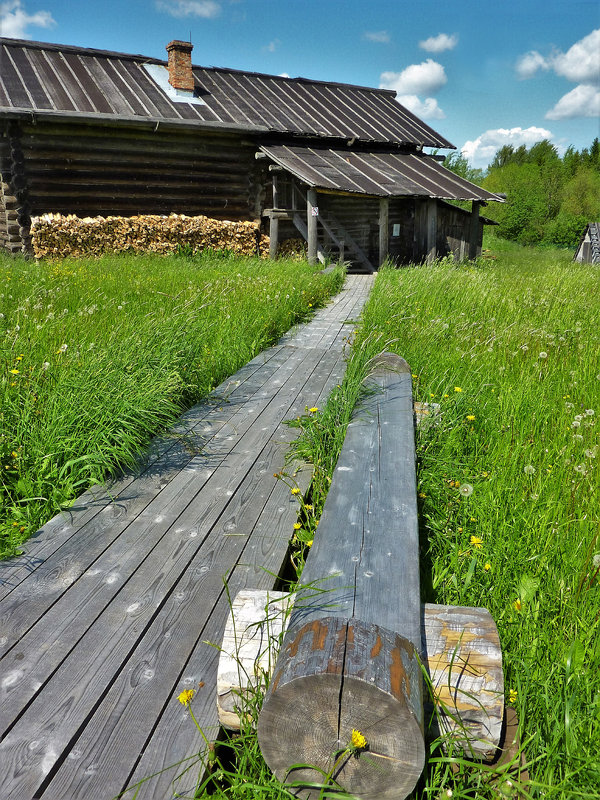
431,230
474,230
350,657
312,211
384,238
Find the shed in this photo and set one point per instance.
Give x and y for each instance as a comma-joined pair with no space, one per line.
588,249
92,132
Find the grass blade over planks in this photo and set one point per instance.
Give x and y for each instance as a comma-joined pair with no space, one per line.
98,355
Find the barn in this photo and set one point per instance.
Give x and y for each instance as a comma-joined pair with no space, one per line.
91,132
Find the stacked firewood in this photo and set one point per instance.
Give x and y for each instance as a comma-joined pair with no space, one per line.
57,235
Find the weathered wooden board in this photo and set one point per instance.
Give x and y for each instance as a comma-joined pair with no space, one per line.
68,672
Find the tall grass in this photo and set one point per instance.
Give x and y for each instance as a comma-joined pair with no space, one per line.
508,483
98,355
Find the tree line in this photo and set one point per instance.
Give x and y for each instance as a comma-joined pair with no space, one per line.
549,198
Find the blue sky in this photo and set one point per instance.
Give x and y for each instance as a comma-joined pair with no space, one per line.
481,73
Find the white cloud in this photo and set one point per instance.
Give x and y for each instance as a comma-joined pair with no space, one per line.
381,37
426,109
272,46
527,65
208,9
14,20
439,43
483,149
424,78
582,101
581,62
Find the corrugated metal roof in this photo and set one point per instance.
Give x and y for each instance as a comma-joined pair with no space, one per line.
383,174
51,78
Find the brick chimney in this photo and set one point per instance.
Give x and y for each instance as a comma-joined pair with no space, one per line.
180,65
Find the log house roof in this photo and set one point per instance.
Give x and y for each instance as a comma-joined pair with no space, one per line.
49,78
382,174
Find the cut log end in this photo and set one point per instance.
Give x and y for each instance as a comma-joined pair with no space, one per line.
388,767
334,677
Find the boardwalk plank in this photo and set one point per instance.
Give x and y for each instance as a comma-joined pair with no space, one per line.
87,710
61,528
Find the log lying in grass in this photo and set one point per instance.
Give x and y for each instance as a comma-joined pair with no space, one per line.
460,650
350,657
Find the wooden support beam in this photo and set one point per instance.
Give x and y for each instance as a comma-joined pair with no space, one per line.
474,230
274,222
384,237
431,230
312,212
460,651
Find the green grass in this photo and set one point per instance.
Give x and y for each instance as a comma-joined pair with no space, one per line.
98,355
508,347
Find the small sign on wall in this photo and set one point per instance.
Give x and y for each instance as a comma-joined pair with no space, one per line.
396,229
314,211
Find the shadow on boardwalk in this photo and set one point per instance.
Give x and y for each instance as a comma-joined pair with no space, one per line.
110,612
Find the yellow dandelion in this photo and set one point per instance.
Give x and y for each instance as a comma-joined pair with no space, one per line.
309,543
457,389
357,740
295,490
313,410
14,371
512,696
308,507
297,526
470,417
487,566
185,698
422,495
517,604
477,542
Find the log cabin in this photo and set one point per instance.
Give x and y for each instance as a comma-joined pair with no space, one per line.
90,132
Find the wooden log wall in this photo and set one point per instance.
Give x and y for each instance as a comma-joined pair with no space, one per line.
14,198
402,246
453,231
92,171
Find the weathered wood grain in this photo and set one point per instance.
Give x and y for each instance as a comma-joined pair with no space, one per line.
365,616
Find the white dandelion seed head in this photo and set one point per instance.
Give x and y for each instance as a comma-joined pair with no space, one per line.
63,348
45,365
580,468
590,453
569,406
465,489
578,417
529,469
524,348
578,437
596,560
575,423
543,354
589,412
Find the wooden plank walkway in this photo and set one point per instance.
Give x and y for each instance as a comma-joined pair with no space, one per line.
110,612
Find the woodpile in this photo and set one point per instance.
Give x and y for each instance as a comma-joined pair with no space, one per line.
58,236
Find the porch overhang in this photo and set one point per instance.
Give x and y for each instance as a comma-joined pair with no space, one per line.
377,174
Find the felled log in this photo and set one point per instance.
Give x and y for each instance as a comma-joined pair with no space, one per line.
460,651
351,657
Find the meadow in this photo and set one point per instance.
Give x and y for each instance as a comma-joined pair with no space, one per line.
507,348
99,355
